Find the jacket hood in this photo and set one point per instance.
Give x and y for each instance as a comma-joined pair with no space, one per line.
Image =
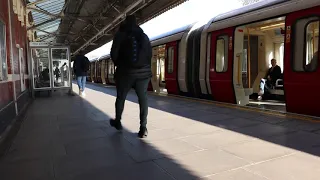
130,25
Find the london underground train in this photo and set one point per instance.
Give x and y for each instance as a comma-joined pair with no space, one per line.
225,59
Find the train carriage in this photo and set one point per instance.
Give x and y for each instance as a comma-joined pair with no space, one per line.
226,58
244,41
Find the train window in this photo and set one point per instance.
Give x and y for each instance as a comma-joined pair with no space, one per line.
170,59
222,54
3,54
306,58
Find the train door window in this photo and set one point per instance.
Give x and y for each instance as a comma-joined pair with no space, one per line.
162,67
110,68
222,54
307,35
3,55
170,59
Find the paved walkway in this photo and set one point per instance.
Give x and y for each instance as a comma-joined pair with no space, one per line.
66,138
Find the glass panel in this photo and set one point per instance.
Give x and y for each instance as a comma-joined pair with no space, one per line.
281,50
312,38
222,54
106,68
162,66
170,59
60,65
245,60
3,56
306,32
41,68
89,71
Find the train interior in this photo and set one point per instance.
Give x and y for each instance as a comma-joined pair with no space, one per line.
262,42
158,69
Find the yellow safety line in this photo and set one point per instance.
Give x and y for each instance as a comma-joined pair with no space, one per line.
244,108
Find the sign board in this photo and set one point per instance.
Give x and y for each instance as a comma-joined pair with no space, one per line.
39,44
42,44
288,35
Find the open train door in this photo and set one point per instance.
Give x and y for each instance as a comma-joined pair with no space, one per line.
154,82
221,66
301,66
171,68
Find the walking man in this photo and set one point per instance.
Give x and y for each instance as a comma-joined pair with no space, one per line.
131,53
81,67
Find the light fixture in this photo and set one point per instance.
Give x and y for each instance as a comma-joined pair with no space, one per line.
271,26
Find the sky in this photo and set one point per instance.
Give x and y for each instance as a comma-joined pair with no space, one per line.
184,14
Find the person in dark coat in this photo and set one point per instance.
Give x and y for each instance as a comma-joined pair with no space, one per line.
81,67
128,76
273,74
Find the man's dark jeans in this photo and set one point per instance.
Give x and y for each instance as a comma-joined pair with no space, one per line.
124,84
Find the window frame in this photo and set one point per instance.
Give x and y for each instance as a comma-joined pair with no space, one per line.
294,43
4,72
225,38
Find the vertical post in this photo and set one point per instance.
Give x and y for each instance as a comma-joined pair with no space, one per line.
70,71
239,68
50,68
30,71
11,59
249,60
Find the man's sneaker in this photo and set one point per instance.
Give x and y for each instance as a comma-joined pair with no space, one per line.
116,124
83,94
143,132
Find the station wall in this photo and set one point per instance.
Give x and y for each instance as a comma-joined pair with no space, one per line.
14,78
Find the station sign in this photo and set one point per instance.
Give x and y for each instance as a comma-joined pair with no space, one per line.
44,44
36,44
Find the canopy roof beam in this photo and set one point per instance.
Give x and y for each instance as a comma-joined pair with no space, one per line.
139,4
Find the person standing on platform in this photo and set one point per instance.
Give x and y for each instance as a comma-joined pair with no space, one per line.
131,53
81,68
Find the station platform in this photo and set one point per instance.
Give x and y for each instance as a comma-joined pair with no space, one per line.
69,138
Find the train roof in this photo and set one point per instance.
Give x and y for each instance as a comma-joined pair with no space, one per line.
259,11
172,32
246,9
106,56
93,59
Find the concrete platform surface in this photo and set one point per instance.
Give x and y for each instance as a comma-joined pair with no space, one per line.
69,138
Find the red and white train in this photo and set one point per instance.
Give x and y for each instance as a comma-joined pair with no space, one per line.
225,59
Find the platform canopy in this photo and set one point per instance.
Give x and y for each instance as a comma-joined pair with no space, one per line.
88,24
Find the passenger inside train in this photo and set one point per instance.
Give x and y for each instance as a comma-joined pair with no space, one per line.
269,81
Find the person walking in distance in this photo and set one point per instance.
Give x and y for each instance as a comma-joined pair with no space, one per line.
131,53
81,67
